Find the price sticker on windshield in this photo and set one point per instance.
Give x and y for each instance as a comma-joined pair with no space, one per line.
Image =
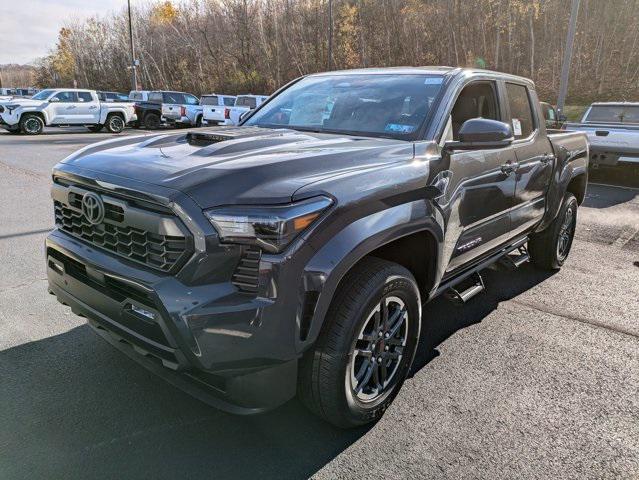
516,127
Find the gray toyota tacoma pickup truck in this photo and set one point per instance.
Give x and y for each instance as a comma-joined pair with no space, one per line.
295,254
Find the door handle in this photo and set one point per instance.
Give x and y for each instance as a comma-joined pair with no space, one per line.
92,107
70,107
509,167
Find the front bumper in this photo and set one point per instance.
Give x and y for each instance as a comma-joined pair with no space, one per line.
212,342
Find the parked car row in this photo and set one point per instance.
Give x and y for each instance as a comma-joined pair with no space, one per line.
64,107
98,110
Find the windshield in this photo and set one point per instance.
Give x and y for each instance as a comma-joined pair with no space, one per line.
43,95
613,114
387,105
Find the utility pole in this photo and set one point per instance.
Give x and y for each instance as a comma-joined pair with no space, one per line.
565,67
330,34
134,76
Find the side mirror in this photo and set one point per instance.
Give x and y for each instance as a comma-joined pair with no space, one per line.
482,133
54,99
562,118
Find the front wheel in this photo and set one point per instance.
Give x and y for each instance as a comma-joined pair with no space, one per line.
31,124
549,249
115,123
366,346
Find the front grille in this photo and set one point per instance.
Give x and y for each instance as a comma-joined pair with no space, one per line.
246,275
157,240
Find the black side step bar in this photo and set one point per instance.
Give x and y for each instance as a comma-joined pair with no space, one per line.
480,266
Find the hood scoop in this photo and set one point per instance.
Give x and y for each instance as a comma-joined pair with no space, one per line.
203,139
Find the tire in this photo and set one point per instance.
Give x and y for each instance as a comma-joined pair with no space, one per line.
549,249
151,121
198,121
115,123
342,386
31,124
95,128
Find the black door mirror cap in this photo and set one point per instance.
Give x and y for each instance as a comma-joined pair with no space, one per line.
482,133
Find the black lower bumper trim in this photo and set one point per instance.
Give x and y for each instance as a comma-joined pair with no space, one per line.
251,393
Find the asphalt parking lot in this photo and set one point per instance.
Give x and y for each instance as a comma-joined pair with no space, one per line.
537,378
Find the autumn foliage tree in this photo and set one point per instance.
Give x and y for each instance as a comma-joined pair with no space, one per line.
241,46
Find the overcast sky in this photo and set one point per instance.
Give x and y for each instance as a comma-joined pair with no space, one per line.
30,27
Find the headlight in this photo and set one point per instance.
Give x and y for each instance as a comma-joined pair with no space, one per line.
270,227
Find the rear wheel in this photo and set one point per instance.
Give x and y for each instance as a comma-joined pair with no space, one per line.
31,124
115,123
198,121
152,121
549,249
366,346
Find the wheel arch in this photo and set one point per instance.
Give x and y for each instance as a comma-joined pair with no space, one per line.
415,246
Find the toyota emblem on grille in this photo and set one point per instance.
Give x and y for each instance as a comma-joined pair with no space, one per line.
93,208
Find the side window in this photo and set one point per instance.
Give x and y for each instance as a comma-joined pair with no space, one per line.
66,97
155,97
85,97
476,100
521,116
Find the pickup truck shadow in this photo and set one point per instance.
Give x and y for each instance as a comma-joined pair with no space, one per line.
442,317
74,407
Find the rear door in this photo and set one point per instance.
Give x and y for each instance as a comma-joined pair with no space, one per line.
481,192
534,156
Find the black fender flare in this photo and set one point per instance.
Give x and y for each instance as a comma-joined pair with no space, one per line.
570,165
325,270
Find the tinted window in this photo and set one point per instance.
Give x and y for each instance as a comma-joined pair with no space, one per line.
209,100
174,97
477,100
229,101
357,104
613,114
631,114
66,97
85,97
245,102
521,116
155,97
135,96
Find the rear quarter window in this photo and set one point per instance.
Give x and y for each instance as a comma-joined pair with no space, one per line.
521,116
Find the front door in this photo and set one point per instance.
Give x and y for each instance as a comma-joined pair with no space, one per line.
481,189
534,157
62,107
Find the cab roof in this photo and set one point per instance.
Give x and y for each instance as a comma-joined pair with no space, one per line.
426,70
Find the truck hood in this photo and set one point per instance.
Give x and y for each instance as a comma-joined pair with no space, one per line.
238,165
25,102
